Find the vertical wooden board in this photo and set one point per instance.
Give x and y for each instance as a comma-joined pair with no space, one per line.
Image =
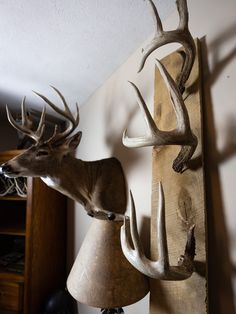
45,261
184,198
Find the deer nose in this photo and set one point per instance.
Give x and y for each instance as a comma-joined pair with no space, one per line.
6,168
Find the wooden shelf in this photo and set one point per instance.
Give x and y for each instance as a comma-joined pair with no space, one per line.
13,198
8,276
12,231
38,224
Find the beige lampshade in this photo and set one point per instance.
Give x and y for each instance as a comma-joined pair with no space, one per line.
101,276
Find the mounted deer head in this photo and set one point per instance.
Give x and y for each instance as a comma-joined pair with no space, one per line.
159,269
98,185
180,35
182,135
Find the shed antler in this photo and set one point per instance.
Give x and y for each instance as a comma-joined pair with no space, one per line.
159,269
182,135
180,35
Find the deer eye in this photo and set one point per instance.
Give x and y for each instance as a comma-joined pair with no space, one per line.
41,153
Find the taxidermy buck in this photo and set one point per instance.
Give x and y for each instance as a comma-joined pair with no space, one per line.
98,185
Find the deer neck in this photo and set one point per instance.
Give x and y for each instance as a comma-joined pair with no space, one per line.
70,177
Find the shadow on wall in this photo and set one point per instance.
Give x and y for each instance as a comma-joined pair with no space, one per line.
128,157
6,98
219,64
220,269
9,140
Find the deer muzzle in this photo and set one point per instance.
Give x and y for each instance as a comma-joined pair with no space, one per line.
7,170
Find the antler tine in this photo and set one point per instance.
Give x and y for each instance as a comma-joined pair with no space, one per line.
161,232
182,135
24,128
65,113
134,229
183,130
156,18
159,269
180,35
16,125
23,112
129,229
183,14
151,126
70,117
41,125
125,236
182,118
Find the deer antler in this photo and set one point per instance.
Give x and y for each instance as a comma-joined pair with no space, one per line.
25,127
37,135
180,35
182,135
159,269
74,122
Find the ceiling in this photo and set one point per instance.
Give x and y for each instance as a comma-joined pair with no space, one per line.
74,45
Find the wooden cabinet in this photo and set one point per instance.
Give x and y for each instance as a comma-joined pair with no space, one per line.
33,227
11,296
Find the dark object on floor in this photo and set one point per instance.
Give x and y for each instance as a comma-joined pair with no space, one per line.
112,311
60,302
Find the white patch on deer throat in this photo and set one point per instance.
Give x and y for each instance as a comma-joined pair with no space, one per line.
49,181
54,183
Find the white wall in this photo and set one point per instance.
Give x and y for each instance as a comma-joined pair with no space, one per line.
112,108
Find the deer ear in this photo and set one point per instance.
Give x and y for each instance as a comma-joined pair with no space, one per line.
72,142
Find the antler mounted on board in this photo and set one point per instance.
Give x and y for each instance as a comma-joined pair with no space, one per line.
161,268
182,135
180,35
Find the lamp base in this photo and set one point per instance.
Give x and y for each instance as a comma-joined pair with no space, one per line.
113,311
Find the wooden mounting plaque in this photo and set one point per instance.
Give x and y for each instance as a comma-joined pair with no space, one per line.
184,197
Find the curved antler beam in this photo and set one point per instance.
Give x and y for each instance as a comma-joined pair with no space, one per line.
66,113
25,126
182,135
161,268
180,35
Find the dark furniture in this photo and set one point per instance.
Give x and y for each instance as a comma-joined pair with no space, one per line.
33,231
